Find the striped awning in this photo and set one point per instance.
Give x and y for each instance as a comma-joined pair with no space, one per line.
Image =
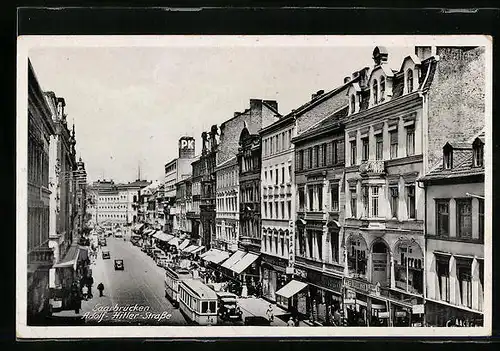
174,241
184,244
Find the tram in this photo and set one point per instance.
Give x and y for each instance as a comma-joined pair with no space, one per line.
198,302
172,277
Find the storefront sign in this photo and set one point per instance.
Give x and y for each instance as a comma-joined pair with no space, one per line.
358,285
325,281
418,309
301,273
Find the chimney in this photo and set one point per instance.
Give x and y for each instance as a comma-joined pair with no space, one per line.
424,52
347,80
380,55
272,103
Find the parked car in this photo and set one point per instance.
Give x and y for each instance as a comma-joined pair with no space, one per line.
119,265
228,306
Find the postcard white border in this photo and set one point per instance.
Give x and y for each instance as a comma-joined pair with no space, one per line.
26,43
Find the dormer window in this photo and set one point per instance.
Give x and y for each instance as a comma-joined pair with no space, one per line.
375,92
382,89
353,104
409,80
447,157
478,153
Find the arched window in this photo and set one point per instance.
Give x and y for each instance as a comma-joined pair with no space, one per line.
409,80
382,89
353,103
375,92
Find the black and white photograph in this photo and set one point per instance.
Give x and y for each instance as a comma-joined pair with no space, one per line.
253,186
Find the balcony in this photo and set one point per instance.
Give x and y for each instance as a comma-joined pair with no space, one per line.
372,167
315,216
41,256
412,225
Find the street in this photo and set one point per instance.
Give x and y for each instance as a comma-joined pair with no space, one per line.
141,283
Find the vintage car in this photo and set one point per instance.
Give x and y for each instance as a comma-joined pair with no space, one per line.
228,306
105,254
119,265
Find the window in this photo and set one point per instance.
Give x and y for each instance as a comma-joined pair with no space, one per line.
379,147
394,201
300,160
335,152
334,193
270,210
311,197
410,141
320,196
265,210
409,80
265,176
478,156
375,92
365,149
374,208
353,103
382,89
301,199
442,218
276,176
365,198
465,282
319,240
356,258
448,158
443,273
394,143
481,219
289,173
315,156
353,152
410,190
352,190
464,218
283,175
289,203
323,161
310,157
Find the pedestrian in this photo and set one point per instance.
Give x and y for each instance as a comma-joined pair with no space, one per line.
85,292
337,318
291,322
90,283
270,314
100,287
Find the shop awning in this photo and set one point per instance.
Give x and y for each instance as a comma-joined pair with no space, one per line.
189,248
197,249
174,241
157,235
206,254
184,244
216,256
244,263
161,236
235,257
292,288
70,259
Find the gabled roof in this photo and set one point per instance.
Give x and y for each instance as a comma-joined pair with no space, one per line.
332,121
412,57
462,165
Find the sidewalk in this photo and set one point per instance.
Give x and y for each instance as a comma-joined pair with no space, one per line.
254,306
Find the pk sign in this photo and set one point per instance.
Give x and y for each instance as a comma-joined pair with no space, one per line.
187,144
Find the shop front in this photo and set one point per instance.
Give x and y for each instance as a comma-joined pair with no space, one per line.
273,272
325,297
445,315
364,305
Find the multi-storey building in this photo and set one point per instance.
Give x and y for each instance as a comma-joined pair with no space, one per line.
454,266
114,203
81,194
194,215
319,175
183,205
61,179
206,168
176,170
227,206
40,256
395,118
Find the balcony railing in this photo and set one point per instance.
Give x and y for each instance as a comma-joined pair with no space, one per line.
314,215
41,255
372,167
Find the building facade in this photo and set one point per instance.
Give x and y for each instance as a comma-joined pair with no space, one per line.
227,206
194,214
183,205
319,177
454,205
40,255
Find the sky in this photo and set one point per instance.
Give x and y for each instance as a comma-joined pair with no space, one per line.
130,105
